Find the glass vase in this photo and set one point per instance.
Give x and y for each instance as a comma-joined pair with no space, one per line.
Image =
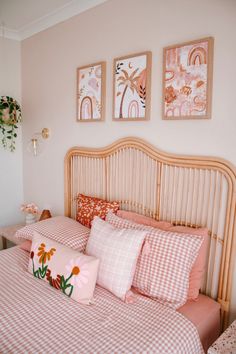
30,219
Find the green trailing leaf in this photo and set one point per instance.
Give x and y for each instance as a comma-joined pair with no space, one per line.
10,118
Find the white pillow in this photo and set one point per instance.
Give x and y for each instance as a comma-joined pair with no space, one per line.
118,251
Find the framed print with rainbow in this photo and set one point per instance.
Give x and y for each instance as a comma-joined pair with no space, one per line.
91,92
132,81
187,80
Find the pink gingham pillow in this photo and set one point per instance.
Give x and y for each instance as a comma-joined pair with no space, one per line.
142,219
118,251
198,270
67,270
163,274
61,229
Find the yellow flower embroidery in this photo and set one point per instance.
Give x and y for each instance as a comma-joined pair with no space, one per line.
44,255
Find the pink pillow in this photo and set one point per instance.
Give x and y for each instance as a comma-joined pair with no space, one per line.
199,267
118,251
61,229
26,245
65,269
198,270
142,219
164,273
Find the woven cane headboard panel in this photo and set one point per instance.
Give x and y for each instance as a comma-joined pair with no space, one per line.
186,190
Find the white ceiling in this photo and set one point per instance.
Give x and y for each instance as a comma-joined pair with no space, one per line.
20,19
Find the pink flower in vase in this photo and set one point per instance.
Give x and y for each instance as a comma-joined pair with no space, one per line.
31,210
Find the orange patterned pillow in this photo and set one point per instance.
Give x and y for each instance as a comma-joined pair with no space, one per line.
89,207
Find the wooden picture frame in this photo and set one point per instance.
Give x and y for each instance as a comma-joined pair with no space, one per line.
187,80
90,98
136,70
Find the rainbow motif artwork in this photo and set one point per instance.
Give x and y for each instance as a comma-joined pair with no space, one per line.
187,80
91,92
132,87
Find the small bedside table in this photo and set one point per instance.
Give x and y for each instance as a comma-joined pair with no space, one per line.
8,233
226,343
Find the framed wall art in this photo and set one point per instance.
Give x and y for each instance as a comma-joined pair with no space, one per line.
132,82
91,92
187,80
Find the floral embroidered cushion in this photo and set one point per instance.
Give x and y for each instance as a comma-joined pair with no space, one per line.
164,273
59,228
67,270
89,207
118,251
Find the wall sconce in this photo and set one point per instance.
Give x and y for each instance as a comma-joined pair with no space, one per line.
35,146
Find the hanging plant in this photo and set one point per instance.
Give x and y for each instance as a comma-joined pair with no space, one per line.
10,117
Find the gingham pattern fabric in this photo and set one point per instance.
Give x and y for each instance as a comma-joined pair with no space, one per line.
61,229
163,274
36,318
118,251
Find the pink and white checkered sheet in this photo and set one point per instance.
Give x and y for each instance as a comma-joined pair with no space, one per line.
60,229
36,318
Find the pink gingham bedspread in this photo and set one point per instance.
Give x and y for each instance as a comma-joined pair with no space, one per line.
36,318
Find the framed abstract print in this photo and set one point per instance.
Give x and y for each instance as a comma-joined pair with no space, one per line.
132,82
91,92
187,80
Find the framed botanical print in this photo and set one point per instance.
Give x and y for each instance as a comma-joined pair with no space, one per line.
91,92
187,80
132,82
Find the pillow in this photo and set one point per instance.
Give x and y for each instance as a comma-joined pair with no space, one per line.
88,207
65,269
61,229
26,245
142,219
118,251
164,273
198,271
199,267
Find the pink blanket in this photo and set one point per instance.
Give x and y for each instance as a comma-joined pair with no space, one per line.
35,317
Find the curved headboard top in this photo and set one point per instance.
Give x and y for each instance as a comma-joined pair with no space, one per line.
185,190
155,153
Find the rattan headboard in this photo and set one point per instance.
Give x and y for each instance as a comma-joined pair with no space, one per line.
186,190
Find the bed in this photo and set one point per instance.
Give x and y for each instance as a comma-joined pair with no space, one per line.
190,191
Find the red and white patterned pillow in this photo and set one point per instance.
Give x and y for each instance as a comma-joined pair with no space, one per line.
89,207
118,251
163,274
59,228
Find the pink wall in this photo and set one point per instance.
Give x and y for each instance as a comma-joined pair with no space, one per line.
11,181
116,28
50,59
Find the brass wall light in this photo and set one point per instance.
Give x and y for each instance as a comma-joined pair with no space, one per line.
35,144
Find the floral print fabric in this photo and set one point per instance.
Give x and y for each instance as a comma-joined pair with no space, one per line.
89,207
73,273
